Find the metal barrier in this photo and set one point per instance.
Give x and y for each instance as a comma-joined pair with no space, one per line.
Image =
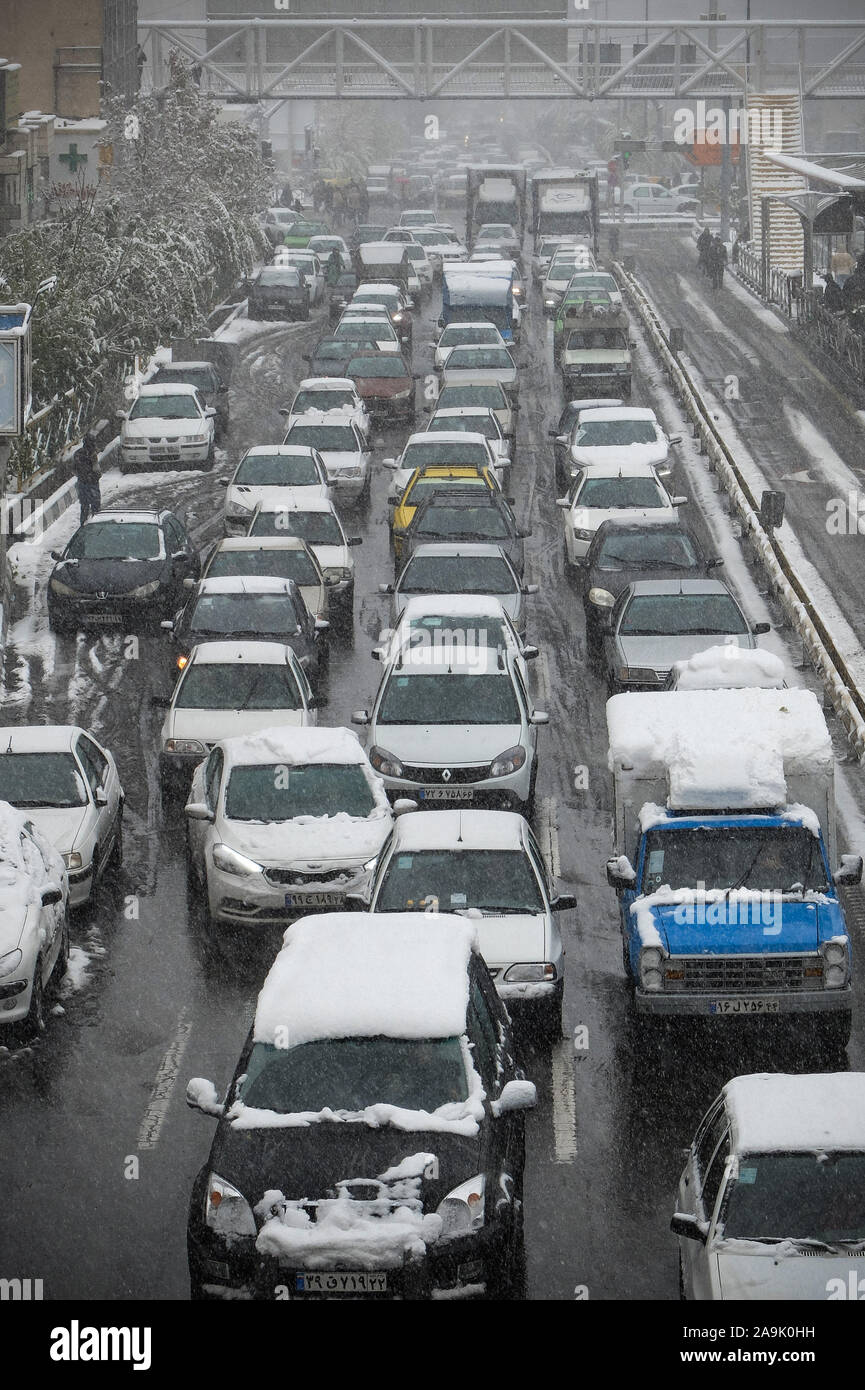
835,335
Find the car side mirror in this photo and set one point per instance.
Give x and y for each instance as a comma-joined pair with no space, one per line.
385,588
404,805
563,902
56,554
759,628
563,502
360,716
121,414
632,345
689,1227
674,439
51,895
199,810
202,1095
209,411
100,796
620,874
388,463
679,501
322,625
529,589
714,563
530,653
354,540
539,716
849,871
223,482
516,1095
167,624
284,410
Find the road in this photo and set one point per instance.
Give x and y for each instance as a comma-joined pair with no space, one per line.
100,1151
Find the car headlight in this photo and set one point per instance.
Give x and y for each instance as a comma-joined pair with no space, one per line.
73,859
185,745
351,472
462,1211
137,443
230,862
510,761
10,962
64,589
640,675
397,318
195,439
144,590
226,1211
834,955
601,598
582,533
531,972
549,303
385,763
651,958
336,574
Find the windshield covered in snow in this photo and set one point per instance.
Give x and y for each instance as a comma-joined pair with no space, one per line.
598,434
237,687
322,398
352,1073
165,408
777,859
283,276
332,438
116,540
457,574
677,615
449,699
41,779
798,1196
277,470
487,425
233,614
277,793
493,880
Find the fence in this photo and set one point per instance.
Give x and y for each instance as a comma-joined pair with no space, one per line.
834,335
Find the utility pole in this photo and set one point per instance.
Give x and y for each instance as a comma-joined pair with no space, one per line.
726,173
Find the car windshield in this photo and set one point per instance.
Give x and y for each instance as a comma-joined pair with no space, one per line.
349,1074
451,880
445,698
797,1196
316,528
491,395
777,859
276,470
165,408
480,357
598,340
440,631
426,486
116,540
677,615
238,687
283,276
482,334
271,563
331,350
269,792
385,365
582,281
465,424
322,399
235,613
380,329
647,550
201,377
41,779
599,434
328,438
609,494
444,453
457,574
486,522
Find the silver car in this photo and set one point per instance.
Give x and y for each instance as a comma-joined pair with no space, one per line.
455,568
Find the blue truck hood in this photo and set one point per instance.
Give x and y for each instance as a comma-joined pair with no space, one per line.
747,928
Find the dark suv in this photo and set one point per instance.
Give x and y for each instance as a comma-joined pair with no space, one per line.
372,1139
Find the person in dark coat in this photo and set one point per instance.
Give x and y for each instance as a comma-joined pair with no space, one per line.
854,287
704,241
833,295
87,474
717,261
334,266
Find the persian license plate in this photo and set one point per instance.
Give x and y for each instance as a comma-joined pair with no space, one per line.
165,455
339,1281
445,794
106,618
314,899
745,1006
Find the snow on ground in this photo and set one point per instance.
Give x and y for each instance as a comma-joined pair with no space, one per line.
77,974
767,317
828,464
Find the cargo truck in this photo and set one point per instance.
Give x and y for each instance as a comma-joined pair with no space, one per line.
565,204
495,193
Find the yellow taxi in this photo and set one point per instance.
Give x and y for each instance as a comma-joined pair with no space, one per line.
425,481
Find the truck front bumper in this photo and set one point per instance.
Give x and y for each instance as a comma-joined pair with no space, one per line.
671,1005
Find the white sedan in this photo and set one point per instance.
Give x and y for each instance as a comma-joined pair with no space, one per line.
623,492
326,395
478,334
167,424
343,449
272,474
69,786
34,932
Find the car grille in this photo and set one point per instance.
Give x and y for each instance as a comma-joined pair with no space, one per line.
295,877
457,776
744,974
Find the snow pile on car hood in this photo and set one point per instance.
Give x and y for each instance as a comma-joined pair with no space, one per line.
730,667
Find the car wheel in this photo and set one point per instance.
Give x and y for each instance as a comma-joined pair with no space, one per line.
116,859
551,1019
34,1023
211,455
61,965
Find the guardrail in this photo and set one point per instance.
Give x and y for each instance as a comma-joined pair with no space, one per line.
840,686
783,289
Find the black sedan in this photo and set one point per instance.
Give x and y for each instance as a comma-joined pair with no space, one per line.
331,356
121,568
249,609
340,293
458,515
625,551
278,291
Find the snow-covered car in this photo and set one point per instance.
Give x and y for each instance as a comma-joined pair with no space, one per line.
271,557
316,521
655,200
278,291
460,569
418,217
563,267
206,380
167,424
344,451
562,432
487,866
422,267
499,236
310,267
472,419
271,474
227,689
454,725
34,931
728,667
283,822
69,787
656,622
442,247
437,619
461,514
276,222
769,1204
475,334
363,324
467,365
483,393
615,434
543,254
327,395
394,299
324,245
394,1080
624,492
456,448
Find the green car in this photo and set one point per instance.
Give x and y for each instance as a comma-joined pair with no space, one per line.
299,234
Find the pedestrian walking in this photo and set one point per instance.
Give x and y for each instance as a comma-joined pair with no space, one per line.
842,265
833,295
353,202
704,241
334,266
87,475
717,258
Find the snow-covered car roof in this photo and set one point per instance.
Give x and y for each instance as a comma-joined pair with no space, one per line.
379,252
377,287
241,543
175,366
777,1113
482,549
253,653
676,587
449,437
246,584
19,885
459,324
326,383
295,746
618,412
461,412
396,975
717,668
295,503
122,515
284,450
168,388
451,605
619,468
466,829
39,738
323,417
450,659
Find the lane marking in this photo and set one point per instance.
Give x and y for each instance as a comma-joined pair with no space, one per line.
564,1102
163,1086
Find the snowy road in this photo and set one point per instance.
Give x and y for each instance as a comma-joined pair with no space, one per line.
100,1152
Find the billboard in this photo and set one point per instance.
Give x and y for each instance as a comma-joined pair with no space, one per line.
14,368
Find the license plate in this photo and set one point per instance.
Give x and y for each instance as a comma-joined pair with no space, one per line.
314,899
103,618
745,1006
164,455
340,1281
445,794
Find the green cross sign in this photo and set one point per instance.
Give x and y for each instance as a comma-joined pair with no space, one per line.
73,158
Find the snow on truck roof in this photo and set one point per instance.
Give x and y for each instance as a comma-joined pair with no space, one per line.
686,737
393,975
772,1113
717,669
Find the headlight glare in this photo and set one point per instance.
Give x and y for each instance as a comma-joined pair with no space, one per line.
230,862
